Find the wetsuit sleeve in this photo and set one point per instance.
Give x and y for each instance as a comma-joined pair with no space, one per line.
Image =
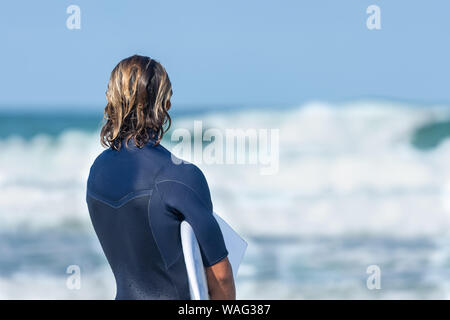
191,199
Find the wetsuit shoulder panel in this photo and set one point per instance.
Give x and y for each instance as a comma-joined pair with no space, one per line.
188,197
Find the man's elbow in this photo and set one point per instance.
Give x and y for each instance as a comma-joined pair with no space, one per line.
225,280
223,289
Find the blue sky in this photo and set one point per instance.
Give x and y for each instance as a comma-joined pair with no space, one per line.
227,52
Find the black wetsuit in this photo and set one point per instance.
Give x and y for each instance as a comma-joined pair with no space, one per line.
137,199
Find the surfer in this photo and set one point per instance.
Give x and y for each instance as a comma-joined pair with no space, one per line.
138,196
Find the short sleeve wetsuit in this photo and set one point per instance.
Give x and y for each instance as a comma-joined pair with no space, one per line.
137,199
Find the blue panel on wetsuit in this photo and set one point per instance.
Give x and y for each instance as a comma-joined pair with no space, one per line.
137,199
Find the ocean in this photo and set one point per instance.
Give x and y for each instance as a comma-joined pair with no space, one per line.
360,184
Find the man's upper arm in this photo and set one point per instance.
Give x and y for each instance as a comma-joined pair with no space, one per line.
189,196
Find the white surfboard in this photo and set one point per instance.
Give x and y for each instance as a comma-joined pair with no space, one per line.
235,245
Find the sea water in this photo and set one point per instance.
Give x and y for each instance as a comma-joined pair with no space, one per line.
359,184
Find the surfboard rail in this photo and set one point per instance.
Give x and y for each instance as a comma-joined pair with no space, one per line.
234,243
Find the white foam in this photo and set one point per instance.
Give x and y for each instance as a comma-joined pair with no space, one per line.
343,169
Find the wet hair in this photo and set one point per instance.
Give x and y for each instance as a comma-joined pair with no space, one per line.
138,100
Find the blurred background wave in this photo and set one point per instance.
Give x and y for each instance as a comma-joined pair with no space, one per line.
361,183
364,119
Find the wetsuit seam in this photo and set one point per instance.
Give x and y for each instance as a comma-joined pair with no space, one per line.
182,183
179,254
173,285
151,230
156,241
196,194
176,259
122,201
